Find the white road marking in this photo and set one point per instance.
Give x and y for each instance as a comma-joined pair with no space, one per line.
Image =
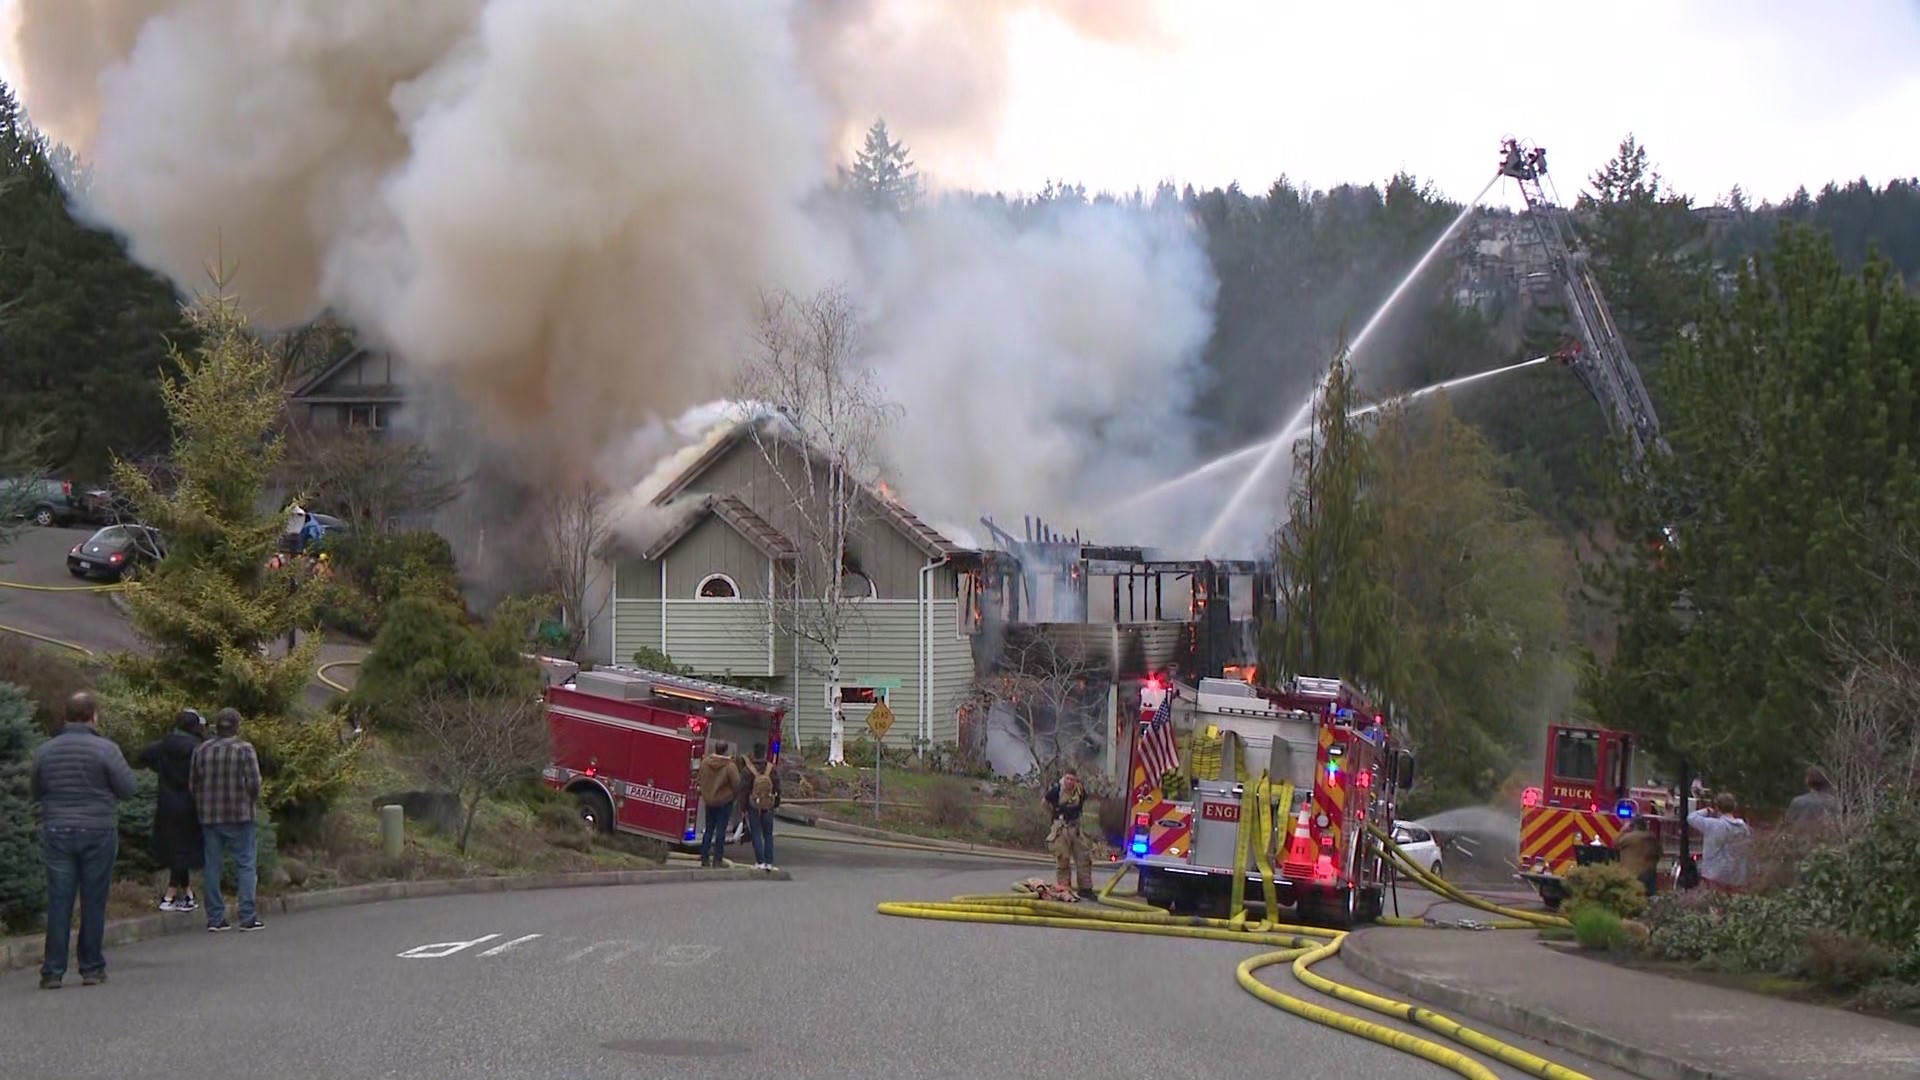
687,955
444,948
498,949
596,945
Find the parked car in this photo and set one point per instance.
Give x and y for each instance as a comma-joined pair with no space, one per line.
115,551
1419,845
105,506
45,501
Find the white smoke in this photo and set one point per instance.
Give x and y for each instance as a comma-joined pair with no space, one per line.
568,213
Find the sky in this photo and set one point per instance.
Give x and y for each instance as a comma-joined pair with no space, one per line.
1766,94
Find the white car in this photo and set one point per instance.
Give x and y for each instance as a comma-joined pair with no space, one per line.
1419,845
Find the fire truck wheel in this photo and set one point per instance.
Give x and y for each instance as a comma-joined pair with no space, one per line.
595,810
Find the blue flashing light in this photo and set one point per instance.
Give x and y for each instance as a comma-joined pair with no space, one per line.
773,748
1624,810
691,834
1139,846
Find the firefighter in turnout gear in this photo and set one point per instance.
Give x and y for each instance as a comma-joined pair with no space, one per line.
1071,852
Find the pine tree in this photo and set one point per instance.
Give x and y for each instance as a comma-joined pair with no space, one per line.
212,608
22,876
1334,605
882,177
1649,251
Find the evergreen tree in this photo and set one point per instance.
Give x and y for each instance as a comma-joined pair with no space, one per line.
882,177
1794,415
1648,248
23,889
85,331
212,610
1334,617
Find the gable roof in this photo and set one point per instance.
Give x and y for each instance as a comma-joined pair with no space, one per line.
740,517
919,533
316,388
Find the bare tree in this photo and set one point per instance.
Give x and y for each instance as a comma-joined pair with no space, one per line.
574,525
1872,750
475,745
374,480
306,350
817,416
1055,694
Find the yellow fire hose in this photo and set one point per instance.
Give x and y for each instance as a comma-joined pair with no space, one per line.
1299,946
116,587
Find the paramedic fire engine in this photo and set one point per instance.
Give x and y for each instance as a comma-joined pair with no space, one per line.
1582,806
628,742
1329,755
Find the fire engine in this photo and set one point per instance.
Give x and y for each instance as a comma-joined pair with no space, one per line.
1321,736
627,743
1584,803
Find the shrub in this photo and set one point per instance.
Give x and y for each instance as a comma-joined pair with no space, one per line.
48,677
374,571
428,646
22,880
1869,885
1890,996
1607,886
1595,927
1842,962
1030,822
1743,932
949,803
136,827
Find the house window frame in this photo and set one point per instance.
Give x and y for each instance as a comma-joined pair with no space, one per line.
375,417
880,694
699,591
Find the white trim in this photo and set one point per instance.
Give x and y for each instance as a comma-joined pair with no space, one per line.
770,620
700,589
663,606
613,613
614,721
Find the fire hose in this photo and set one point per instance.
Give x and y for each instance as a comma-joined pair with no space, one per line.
1299,946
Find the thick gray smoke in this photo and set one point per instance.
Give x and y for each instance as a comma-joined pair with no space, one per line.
568,213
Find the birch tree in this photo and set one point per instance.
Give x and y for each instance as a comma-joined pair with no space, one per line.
817,414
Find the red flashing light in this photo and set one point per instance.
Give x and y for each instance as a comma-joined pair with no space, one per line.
591,771
698,724
1530,798
1593,808
1154,683
1364,780
1140,821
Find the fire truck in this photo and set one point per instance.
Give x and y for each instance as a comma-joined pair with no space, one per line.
1323,738
1584,804
627,743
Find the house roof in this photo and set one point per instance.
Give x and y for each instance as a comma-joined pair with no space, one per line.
316,389
740,517
923,536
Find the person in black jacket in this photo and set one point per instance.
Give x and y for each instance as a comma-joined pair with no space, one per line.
177,842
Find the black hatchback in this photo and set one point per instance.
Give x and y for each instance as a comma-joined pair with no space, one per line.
115,551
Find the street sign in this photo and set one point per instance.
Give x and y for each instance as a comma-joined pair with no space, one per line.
880,720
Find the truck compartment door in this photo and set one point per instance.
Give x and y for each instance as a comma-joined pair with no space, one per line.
658,789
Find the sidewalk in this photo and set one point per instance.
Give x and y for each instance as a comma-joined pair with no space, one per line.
1644,1023
958,847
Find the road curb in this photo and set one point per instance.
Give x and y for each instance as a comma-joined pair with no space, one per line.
27,951
929,843
1520,1018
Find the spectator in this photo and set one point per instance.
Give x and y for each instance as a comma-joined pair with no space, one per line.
225,781
1639,851
1723,844
760,787
1818,805
719,781
177,843
79,778
738,831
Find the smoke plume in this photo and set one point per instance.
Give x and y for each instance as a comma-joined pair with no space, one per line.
567,214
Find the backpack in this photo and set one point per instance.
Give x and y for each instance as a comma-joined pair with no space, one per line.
763,796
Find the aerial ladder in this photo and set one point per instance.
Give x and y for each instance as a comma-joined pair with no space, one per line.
1598,357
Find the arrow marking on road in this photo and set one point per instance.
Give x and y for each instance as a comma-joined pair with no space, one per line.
441,949
498,949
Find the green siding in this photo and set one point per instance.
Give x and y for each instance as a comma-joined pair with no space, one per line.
882,647
714,637
712,547
635,623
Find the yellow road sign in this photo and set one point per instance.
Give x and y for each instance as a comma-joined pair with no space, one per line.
880,720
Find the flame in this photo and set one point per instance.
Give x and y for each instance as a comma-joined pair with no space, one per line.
886,492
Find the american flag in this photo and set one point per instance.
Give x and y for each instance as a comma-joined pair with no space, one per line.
1158,750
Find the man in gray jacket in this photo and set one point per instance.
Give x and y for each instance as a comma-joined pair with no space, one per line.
79,778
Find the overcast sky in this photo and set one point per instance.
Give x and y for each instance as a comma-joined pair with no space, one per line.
1767,94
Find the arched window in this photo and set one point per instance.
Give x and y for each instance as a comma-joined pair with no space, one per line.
717,587
858,586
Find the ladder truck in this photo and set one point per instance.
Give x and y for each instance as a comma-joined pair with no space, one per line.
1598,357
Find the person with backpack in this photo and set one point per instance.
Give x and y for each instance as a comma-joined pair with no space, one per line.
763,795
719,783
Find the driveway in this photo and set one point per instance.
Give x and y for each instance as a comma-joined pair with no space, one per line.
38,556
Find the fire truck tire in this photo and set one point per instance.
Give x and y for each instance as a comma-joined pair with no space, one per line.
595,810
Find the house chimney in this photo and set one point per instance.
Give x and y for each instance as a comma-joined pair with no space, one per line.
1027,520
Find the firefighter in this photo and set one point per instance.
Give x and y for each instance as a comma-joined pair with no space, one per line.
1071,852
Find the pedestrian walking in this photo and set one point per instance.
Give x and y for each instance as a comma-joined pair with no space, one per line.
1723,843
225,781
79,778
719,783
177,841
1071,852
761,783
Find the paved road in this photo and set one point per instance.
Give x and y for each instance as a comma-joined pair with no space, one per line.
734,981
39,557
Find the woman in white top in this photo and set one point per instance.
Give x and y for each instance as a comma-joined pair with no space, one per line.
1723,844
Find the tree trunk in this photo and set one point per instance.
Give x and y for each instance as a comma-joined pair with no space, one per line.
466,825
837,728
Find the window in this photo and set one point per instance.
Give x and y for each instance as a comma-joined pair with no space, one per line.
852,694
858,586
367,417
1576,755
717,587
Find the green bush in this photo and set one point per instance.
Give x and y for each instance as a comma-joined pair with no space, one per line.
374,571
135,860
428,646
949,803
1740,932
1607,886
1594,927
1842,962
48,677
22,882
1869,885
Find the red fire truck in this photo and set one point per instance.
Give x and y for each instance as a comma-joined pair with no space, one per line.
627,743
1320,735
1584,803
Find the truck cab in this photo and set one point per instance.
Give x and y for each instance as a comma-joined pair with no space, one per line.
1585,801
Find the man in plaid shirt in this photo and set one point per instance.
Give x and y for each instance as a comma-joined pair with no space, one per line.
225,781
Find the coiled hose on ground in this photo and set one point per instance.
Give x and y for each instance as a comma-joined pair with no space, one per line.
1299,946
